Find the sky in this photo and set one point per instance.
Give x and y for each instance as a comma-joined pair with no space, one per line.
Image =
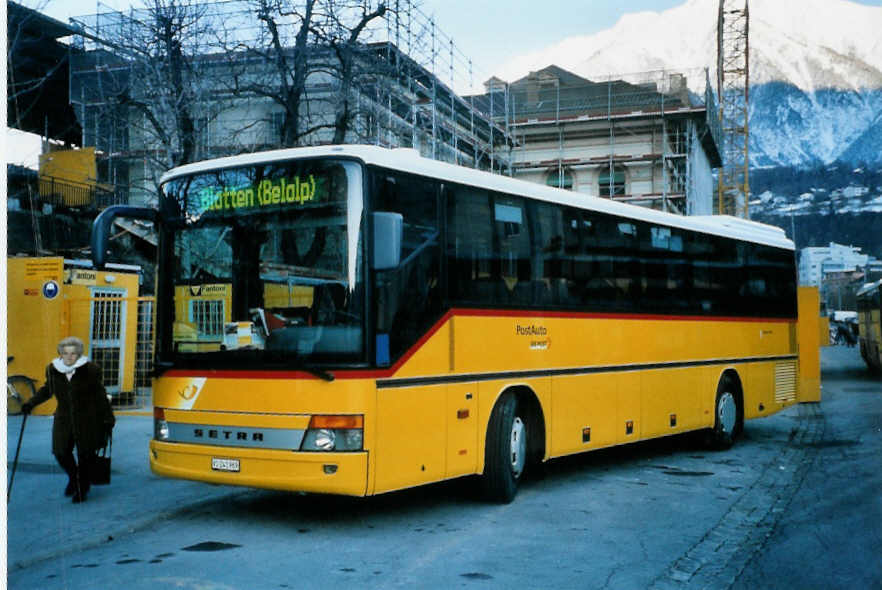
489,32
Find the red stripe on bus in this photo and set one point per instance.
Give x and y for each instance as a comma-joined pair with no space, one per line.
462,312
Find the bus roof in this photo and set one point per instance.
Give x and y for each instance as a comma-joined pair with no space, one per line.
409,160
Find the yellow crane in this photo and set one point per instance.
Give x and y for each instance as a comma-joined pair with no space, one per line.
733,187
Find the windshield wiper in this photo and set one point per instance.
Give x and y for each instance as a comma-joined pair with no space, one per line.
299,365
316,372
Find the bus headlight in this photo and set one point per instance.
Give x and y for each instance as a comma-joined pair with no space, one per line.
334,433
160,426
325,440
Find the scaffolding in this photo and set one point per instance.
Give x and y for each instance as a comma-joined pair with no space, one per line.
403,95
650,124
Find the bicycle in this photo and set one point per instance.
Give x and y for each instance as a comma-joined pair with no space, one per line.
19,389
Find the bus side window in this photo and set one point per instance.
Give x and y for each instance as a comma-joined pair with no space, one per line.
609,275
572,227
548,252
725,277
770,285
512,239
474,274
407,297
666,272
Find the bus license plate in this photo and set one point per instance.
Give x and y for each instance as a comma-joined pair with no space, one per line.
224,464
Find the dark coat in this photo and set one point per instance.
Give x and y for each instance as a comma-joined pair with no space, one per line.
83,409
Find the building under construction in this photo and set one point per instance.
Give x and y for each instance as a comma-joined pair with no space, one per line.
644,138
401,92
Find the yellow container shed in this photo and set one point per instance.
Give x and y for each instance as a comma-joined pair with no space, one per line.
52,298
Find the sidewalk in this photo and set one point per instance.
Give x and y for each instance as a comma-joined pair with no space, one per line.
43,524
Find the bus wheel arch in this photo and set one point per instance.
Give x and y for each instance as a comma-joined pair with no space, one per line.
515,439
728,410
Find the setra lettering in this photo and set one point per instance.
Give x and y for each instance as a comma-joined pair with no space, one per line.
228,434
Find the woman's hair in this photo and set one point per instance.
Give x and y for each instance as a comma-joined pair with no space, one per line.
71,341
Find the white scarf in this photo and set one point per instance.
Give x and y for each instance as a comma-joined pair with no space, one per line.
68,371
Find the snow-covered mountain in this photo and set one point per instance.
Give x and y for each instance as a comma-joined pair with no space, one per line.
794,127
815,70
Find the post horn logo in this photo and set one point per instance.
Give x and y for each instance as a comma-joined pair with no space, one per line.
189,392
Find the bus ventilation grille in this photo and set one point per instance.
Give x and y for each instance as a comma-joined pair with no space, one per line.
785,382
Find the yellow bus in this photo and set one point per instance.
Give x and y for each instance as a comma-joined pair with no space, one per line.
869,304
446,322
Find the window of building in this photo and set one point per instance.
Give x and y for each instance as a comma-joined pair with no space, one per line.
560,178
208,315
276,125
202,136
612,184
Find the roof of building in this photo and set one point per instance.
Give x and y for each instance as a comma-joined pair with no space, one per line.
37,85
554,90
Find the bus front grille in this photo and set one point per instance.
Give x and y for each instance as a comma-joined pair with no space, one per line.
288,439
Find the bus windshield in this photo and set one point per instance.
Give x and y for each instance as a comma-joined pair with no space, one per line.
266,264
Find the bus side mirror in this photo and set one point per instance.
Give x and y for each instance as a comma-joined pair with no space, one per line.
103,225
388,229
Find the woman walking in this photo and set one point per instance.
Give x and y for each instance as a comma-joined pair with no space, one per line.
83,418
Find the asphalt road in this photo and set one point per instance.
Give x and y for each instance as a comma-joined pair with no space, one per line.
795,504
830,534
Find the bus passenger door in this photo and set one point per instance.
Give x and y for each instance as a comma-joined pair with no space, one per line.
462,429
411,431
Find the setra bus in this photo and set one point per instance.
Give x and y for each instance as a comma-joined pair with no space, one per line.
869,310
356,320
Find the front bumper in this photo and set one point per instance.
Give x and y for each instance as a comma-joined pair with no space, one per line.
327,473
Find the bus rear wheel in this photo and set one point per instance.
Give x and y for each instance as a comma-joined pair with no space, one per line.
728,416
505,453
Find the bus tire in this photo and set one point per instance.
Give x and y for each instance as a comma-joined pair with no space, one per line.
728,415
505,452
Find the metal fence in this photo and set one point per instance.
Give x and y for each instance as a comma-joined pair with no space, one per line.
122,345
64,193
144,350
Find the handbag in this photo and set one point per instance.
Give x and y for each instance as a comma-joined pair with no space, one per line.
100,472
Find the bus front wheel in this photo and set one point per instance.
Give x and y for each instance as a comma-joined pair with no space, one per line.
505,454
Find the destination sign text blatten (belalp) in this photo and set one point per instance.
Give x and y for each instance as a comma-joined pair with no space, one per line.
281,191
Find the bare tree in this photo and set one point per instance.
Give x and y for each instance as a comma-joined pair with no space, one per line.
274,64
290,91
345,43
142,89
164,86
304,44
